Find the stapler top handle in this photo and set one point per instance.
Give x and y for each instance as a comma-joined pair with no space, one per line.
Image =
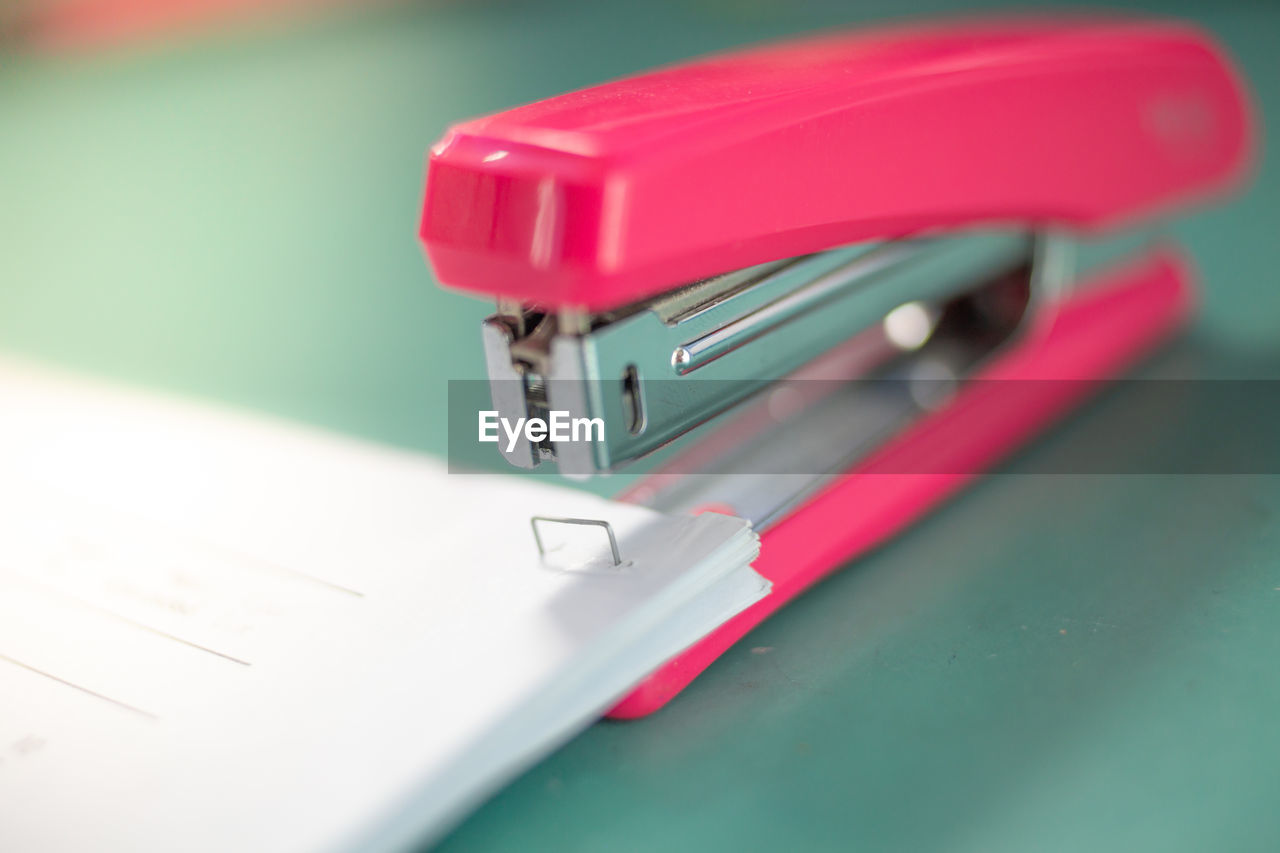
601,197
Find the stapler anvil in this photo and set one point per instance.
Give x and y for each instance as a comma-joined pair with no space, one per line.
973,200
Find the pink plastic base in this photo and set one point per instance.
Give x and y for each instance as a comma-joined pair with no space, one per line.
1092,336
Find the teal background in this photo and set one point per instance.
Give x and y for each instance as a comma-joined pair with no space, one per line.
1049,663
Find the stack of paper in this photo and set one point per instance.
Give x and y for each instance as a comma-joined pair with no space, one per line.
218,633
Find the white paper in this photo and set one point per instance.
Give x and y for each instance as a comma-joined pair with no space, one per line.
221,633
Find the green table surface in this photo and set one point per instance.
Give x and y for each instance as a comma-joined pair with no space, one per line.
1051,662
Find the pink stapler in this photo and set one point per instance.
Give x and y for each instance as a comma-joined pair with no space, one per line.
680,254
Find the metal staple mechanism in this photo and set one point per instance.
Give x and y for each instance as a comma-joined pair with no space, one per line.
655,370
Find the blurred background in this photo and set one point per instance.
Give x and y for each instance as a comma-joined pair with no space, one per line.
220,198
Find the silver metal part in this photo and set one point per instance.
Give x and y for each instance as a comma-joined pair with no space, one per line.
589,522
766,458
507,386
761,473
808,297
718,342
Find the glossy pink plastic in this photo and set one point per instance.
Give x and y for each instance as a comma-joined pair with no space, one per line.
604,196
1091,336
